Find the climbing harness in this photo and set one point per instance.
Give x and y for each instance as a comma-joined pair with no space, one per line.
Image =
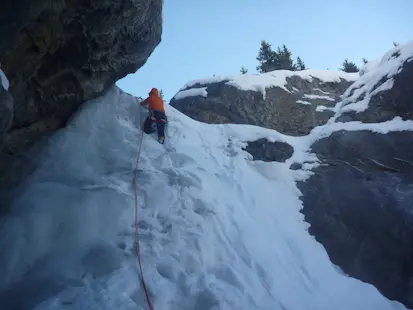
137,221
158,121
155,121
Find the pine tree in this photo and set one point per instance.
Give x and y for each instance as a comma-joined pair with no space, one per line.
284,59
300,64
286,62
365,60
280,60
349,66
244,70
267,58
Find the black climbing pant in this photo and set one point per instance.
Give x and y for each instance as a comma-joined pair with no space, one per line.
158,119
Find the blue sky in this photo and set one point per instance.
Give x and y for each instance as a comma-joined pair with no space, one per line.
203,38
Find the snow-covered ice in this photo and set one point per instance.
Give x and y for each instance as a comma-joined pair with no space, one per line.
218,231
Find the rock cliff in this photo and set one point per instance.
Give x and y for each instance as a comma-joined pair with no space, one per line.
291,102
359,201
58,54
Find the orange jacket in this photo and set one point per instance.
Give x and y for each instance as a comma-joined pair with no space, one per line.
154,101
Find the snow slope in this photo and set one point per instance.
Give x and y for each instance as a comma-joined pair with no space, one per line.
218,231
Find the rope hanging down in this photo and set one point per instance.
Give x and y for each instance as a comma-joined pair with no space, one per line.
137,221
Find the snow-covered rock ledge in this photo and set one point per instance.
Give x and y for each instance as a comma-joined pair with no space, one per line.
384,89
278,78
266,99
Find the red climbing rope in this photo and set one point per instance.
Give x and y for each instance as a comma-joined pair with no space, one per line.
137,221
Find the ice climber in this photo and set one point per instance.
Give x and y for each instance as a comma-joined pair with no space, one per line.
156,115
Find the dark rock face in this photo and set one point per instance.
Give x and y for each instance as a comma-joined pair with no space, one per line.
359,206
265,150
58,54
359,202
279,110
6,113
391,103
